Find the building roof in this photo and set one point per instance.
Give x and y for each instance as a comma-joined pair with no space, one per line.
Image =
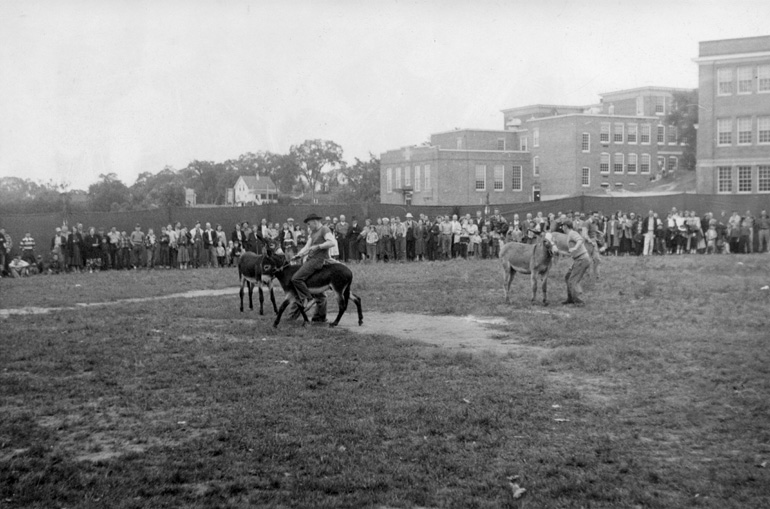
598,115
734,46
259,183
637,90
541,107
471,129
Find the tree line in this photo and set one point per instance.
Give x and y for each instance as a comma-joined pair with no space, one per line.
310,167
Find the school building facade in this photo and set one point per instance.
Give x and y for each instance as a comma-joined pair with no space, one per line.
734,116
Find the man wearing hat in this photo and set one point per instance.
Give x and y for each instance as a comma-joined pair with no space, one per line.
410,224
137,246
320,240
580,264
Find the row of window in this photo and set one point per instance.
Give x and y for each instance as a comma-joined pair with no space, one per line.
632,134
750,79
745,128
744,177
421,178
498,183
634,163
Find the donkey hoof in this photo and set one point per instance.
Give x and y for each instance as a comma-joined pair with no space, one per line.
275,325
332,324
360,323
545,303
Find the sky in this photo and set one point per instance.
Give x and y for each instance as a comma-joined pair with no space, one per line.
90,87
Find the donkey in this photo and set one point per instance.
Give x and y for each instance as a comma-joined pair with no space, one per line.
333,276
562,244
250,274
534,259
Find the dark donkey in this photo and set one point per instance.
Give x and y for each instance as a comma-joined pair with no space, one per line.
250,274
333,276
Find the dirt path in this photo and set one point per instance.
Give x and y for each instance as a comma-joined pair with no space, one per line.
467,333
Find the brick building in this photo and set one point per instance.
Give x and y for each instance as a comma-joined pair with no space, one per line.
734,119
460,167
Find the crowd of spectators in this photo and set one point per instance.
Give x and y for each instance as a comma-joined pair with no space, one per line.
385,239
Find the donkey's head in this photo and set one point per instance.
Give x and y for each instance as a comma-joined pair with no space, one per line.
273,263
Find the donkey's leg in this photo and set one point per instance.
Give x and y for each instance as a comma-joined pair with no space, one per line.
240,293
272,296
357,301
508,274
342,304
284,305
533,281
545,289
251,295
261,298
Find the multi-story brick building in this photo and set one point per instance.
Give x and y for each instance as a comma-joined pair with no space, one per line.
734,118
461,167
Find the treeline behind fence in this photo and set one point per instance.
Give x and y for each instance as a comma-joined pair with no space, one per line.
42,226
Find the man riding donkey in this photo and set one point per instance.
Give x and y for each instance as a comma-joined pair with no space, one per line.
320,240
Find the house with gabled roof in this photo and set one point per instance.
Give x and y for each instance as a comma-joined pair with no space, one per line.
256,190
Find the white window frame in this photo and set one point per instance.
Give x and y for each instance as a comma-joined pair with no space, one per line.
723,73
632,130
660,138
640,106
763,181
632,165
741,171
585,177
398,178
499,142
743,73
524,144
499,182
427,185
619,137
763,122
417,182
536,166
648,128
536,137
672,167
407,176
389,180
605,156
660,100
615,163
642,164
721,124
604,132
459,143
763,79
517,175
585,143
671,135
481,169
728,182
741,126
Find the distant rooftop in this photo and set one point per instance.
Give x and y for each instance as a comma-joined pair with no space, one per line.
734,46
646,89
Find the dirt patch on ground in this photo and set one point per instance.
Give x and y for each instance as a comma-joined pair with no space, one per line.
469,333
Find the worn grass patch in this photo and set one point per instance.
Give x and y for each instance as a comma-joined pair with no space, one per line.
654,395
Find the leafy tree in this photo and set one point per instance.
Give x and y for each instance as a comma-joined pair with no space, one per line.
203,178
108,190
363,180
313,158
684,115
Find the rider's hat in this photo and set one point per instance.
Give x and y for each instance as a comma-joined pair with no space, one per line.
313,216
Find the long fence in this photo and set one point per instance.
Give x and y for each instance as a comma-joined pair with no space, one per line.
41,226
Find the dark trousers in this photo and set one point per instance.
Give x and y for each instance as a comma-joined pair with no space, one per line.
573,277
299,279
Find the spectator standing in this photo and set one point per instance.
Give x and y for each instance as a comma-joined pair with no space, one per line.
75,249
649,226
114,236
92,251
351,240
371,244
27,246
209,252
137,247
420,235
124,251
763,229
164,244
150,245
341,230
183,242
196,240
748,222
4,251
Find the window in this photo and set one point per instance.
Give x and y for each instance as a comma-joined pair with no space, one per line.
407,176
389,179
427,177
763,174
632,132
398,178
763,129
645,165
640,106
604,164
660,105
585,142
604,136
585,178
745,78
499,177
673,162
617,164
516,180
645,136
536,137
523,144
632,161
725,179
724,131
744,179
661,163
724,81
661,134
481,177
417,179
744,131
763,78
618,134
536,166
672,135
459,143
501,144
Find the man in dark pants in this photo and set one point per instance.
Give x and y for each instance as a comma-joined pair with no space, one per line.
320,240
580,264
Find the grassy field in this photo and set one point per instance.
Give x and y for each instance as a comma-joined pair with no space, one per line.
655,395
